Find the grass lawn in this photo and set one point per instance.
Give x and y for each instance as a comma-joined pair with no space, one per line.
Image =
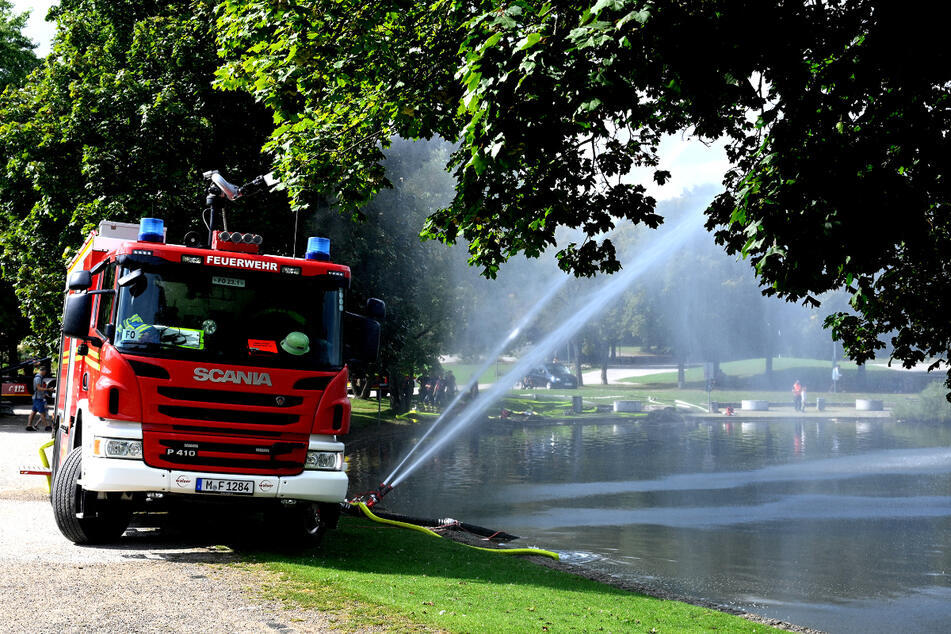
745,379
363,413
368,575
747,368
464,371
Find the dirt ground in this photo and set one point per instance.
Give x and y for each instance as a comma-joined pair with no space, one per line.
154,581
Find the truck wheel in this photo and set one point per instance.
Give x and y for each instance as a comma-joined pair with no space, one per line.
103,524
311,521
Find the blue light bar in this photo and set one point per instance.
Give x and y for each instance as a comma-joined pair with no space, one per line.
318,249
152,230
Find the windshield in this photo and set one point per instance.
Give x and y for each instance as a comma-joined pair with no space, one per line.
229,316
558,370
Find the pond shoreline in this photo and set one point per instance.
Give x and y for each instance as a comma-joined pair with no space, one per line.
370,433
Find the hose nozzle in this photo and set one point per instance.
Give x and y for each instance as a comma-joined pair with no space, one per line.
371,498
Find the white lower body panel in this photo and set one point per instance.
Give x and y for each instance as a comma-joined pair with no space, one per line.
120,475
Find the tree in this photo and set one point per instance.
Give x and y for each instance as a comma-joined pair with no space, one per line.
388,260
13,326
16,62
118,123
16,50
836,113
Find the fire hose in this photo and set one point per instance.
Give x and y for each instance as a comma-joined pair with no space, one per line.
422,529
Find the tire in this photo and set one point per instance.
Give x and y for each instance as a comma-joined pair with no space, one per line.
102,524
310,521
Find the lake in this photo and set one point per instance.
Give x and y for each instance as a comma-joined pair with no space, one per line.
841,525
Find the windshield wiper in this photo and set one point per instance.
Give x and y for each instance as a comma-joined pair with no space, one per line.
141,345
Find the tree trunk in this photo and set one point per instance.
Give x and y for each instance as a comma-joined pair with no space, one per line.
613,352
605,355
396,394
576,350
361,387
681,374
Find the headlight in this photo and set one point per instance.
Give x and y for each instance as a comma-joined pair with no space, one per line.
324,460
117,448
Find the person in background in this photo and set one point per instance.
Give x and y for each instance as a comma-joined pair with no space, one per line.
802,399
836,375
451,385
797,395
423,390
39,401
407,387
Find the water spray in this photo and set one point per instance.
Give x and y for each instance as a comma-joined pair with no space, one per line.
595,302
526,319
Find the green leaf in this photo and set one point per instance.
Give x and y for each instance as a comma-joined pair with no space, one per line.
528,41
492,41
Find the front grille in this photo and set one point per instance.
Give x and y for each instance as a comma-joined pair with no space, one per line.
224,454
225,431
227,415
279,467
229,398
277,449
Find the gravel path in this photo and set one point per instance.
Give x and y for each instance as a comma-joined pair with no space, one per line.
152,581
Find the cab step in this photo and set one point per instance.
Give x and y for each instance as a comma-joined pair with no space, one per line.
35,470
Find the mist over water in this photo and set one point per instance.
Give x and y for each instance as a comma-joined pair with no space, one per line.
895,462
553,289
665,242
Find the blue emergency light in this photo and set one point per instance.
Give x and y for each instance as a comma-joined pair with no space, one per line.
152,230
318,249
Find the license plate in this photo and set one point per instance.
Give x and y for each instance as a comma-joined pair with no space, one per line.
228,487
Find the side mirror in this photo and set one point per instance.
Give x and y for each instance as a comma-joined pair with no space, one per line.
136,280
376,309
361,340
80,281
77,315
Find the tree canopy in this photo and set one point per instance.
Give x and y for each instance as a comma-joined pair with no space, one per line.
118,123
16,50
836,115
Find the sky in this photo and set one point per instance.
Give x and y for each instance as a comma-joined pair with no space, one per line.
691,163
37,29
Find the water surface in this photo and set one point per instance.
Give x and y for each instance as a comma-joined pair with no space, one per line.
840,525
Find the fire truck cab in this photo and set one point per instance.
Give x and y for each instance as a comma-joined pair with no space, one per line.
202,371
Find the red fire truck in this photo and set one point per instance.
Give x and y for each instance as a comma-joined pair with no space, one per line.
204,370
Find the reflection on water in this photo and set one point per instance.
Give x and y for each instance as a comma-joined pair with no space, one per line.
840,525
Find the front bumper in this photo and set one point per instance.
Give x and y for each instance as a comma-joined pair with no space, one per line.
118,475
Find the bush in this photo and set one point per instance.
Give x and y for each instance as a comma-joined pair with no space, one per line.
931,406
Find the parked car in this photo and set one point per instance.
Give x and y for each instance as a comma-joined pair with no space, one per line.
550,375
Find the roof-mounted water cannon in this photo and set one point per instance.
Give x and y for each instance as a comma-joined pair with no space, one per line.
219,190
